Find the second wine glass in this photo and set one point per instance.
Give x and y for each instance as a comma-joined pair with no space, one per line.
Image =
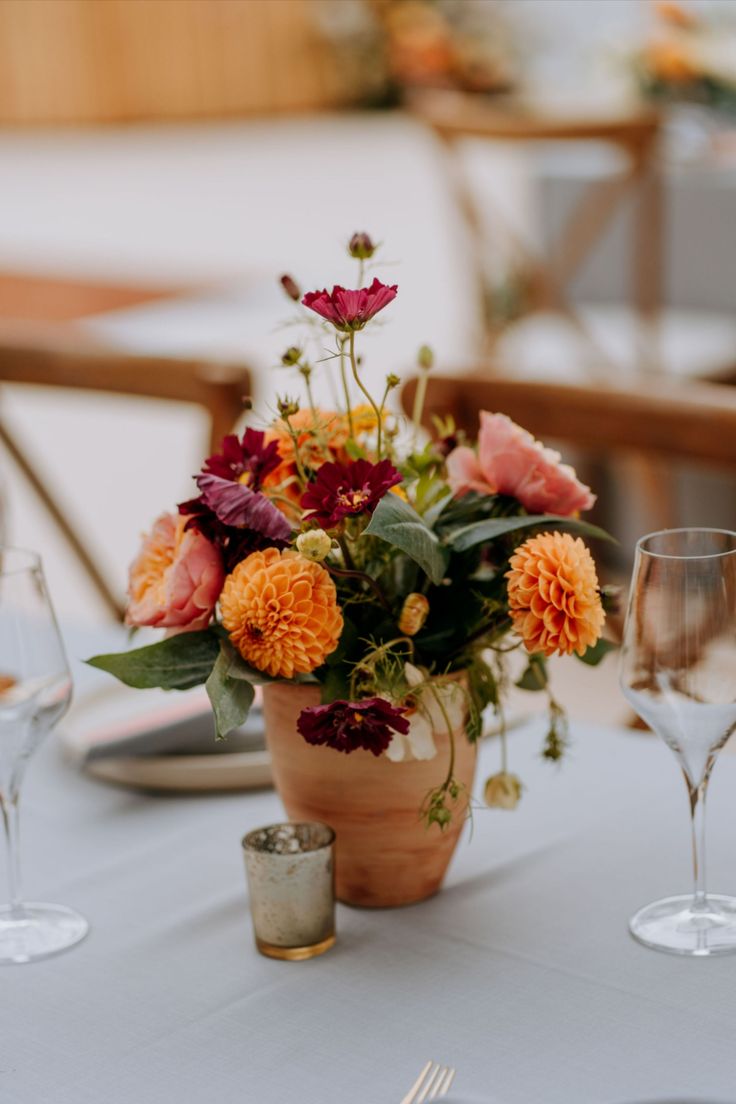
35,690
678,671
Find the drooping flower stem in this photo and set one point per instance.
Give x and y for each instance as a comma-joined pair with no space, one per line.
366,392
451,765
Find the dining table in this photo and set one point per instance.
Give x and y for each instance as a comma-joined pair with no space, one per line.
520,973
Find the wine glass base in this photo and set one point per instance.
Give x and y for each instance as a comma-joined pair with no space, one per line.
673,925
38,931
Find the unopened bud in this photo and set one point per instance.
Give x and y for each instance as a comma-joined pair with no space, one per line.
291,287
425,357
287,407
503,791
413,614
291,356
392,380
315,544
361,247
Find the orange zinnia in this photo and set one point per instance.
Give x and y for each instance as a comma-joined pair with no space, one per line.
280,610
554,599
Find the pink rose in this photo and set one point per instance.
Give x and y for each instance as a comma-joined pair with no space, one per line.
511,462
176,578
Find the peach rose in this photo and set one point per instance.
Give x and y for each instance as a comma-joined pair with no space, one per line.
176,578
511,462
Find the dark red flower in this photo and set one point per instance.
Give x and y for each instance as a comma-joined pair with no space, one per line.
350,310
347,726
246,460
234,544
231,511
237,505
346,490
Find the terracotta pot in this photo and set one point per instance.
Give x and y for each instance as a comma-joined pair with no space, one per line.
385,855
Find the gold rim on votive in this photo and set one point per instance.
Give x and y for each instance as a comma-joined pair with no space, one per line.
295,954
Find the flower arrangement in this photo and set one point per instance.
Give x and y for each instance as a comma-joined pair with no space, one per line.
345,549
688,59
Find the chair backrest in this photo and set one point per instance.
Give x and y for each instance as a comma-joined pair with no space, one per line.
692,422
60,359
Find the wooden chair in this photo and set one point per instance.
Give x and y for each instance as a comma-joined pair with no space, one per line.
687,422
682,422
63,360
454,116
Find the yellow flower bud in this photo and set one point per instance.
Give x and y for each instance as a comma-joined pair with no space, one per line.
503,791
314,545
413,614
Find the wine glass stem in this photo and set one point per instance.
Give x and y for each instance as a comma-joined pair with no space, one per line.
697,813
10,811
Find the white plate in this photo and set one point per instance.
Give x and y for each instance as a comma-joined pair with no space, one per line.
244,770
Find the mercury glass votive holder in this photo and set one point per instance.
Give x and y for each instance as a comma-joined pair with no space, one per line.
291,881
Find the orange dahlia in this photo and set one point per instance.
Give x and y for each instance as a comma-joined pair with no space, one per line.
280,610
553,595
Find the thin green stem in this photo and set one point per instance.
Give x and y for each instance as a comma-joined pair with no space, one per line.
419,400
450,733
346,555
366,392
346,389
297,459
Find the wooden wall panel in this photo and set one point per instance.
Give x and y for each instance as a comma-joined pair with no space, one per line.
113,60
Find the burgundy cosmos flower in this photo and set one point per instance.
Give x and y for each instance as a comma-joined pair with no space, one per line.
346,490
350,310
347,726
230,510
247,460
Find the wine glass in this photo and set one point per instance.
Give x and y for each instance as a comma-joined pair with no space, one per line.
678,671
35,691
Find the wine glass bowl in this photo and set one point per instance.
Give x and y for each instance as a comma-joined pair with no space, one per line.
678,671
35,691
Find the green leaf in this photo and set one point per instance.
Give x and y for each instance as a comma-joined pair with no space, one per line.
535,675
182,661
593,655
231,698
334,685
398,523
237,668
483,531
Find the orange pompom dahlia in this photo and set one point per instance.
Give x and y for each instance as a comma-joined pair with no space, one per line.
553,595
280,610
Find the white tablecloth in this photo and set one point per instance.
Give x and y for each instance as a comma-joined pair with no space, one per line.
520,973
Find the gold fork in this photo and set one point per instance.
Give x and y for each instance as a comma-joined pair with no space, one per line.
433,1082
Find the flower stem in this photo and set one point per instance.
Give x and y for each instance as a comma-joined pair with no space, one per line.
419,399
450,733
365,391
352,573
346,389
